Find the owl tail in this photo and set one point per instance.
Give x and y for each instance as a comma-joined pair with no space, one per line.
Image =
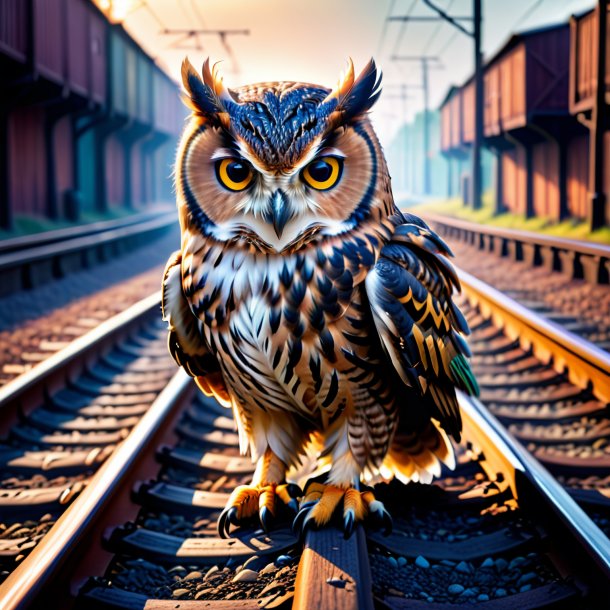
418,456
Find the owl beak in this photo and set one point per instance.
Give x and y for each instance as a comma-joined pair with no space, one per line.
280,212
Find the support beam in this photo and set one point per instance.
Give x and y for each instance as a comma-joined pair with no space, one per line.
477,178
52,208
475,34
563,179
6,213
598,214
529,181
499,207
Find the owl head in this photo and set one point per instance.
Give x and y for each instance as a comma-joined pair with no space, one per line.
275,166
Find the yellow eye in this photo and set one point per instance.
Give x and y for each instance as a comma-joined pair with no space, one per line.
323,173
234,174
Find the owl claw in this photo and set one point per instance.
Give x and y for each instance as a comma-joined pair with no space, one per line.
288,494
227,517
247,502
322,501
298,525
349,520
266,517
380,517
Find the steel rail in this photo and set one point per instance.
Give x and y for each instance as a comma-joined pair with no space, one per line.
78,353
499,445
587,366
13,244
20,258
530,237
21,587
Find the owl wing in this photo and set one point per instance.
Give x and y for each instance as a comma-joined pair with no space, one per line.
409,290
186,345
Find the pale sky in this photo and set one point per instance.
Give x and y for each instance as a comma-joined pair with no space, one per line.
310,40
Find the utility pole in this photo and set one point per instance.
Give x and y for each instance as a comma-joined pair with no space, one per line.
477,178
597,209
425,64
475,34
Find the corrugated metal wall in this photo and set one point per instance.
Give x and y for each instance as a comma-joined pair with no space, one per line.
578,176
514,179
115,171
50,32
13,31
63,153
545,168
97,44
548,59
27,177
78,40
512,79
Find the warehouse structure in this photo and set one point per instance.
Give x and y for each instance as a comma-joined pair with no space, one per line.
87,119
540,115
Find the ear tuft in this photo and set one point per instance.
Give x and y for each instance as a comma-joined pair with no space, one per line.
355,97
208,97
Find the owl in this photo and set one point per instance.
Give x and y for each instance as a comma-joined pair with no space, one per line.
304,300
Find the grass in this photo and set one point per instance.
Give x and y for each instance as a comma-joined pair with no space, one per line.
27,225
570,229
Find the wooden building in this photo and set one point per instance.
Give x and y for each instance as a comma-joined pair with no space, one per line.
589,171
81,127
532,94
528,123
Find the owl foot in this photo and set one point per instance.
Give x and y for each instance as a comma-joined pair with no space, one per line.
247,502
321,502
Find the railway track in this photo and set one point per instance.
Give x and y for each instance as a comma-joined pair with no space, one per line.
565,281
123,471
31,342
550,388
62,419
32,260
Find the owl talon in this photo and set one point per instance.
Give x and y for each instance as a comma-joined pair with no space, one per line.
227,517
288,494
299,521
251,502
266,518
380,517
382,520
322,501
349,520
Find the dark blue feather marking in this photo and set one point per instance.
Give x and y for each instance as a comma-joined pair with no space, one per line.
277,357
333,389
275,316
314,367
327,343
316,317
280,126
291,315
364,93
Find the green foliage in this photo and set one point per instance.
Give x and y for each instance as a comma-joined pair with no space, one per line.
570,229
